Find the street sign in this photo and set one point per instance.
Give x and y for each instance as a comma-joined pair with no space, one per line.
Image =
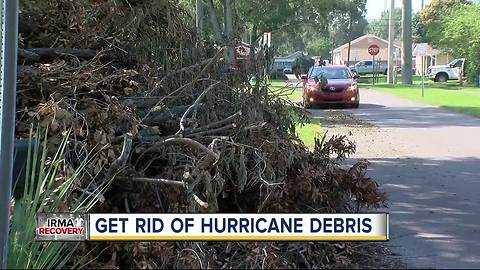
421,49
373,49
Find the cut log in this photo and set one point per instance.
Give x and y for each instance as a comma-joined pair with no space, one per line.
39,54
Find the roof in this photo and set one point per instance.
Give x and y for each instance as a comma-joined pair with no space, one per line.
430,50
360,39
290,57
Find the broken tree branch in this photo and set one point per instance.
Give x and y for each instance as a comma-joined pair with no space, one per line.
193,107
227,120
211,131
197,79
123,158
184,141
185,69
154,180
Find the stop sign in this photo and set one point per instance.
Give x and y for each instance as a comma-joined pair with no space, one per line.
373,49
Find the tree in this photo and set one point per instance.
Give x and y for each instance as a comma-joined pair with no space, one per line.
432,15
380,27
281,15
460,34
296,25
419,34
346,23
340,27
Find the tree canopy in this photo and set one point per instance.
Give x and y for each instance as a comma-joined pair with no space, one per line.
379,27
460,34
430,21
295,24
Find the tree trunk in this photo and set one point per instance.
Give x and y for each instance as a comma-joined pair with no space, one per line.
407,42
199,17
228,28
214,20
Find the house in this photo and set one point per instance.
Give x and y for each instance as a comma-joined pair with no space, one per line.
285,62
434,57
359,51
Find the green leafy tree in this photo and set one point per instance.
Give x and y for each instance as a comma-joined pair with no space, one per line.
380,27
319,46
302,64
282,15
419,34
340,28
431,18
295,24
320,40
460,34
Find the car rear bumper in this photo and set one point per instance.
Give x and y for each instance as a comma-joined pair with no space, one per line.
321,97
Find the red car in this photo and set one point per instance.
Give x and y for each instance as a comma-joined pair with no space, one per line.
330,85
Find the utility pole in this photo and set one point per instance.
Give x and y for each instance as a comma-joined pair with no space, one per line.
349,32
349,42
199,17
407,42
8,87
333,46
391,38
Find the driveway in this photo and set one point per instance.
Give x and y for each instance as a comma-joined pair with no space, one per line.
428,160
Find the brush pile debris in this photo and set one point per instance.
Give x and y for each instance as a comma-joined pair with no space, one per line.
178,130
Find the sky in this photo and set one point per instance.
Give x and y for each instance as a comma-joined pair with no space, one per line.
375,7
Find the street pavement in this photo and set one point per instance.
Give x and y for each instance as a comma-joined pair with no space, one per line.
428,161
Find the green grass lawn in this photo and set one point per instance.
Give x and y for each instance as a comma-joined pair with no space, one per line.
450,96
381,80
306,132
290,93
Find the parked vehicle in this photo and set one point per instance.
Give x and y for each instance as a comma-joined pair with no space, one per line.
367,67
287,71
330,85
443,73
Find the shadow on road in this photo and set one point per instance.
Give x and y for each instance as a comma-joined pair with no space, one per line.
434,209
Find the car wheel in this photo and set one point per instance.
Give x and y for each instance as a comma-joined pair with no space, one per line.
441,77
356,105
385,72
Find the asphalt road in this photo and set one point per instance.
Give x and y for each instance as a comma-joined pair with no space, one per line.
428,160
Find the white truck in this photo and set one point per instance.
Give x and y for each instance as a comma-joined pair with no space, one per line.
366,67
443,73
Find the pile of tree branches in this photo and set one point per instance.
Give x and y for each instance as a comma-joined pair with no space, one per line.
178,129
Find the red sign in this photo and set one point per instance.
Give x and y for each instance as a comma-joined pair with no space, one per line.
373,49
